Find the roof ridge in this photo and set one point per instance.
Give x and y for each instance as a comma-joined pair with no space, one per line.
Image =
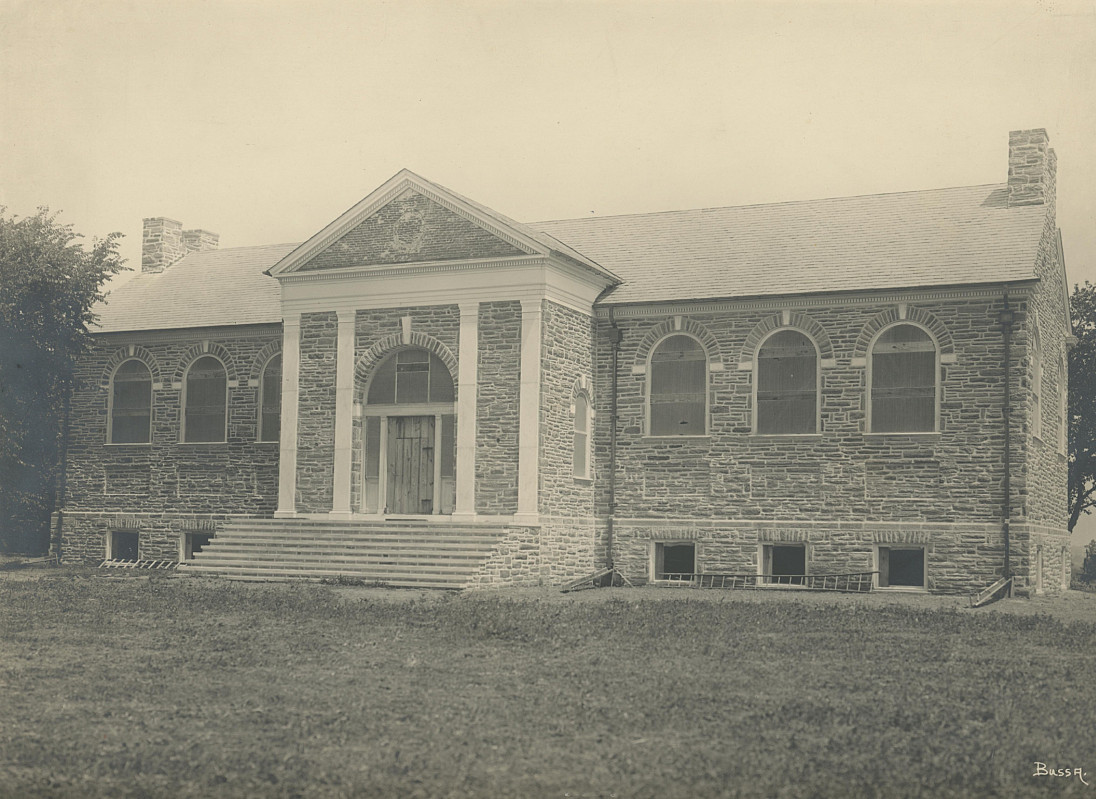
769,205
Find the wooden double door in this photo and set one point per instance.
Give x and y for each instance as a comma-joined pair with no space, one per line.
411,461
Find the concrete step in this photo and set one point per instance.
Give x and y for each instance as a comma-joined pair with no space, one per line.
354,527
345,557
309,535
259,575
395,544
320,562
392,552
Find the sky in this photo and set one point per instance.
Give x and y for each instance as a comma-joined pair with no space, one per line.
263,120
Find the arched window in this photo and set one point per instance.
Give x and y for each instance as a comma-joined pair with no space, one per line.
787,384
1036,383
581,459
409,448
131,404
205,401
903,381
678,388
411,376
270,400
1063,406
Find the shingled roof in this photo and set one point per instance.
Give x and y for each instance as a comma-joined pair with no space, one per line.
918,239
204,289
882,241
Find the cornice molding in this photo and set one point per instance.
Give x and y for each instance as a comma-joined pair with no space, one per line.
779,302
190,334
413,268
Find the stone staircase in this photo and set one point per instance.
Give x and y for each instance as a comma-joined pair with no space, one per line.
406,554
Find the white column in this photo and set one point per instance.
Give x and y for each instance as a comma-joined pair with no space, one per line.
467,362
287,463
344,410
382,474
529,414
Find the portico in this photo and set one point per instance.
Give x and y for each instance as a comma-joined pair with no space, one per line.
408,424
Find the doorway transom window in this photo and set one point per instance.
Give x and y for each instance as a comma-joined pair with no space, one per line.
409,446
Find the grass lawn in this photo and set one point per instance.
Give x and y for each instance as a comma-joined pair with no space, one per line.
166,686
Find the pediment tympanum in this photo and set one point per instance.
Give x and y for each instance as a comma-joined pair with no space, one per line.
412,228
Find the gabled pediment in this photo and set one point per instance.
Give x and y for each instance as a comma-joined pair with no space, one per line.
411,220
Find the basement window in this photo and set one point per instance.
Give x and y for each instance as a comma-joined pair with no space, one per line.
675,562
122,546
784,564
193,543
901,567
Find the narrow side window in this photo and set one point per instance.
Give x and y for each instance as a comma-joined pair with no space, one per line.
581,456
270,401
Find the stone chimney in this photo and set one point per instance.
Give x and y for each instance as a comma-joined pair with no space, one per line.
200,240
1032,168
163,242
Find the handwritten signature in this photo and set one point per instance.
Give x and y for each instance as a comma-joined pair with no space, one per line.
1041,770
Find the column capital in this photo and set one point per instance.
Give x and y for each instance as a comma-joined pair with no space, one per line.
532,306
468,309
345,316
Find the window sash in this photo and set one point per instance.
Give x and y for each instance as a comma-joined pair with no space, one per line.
206,411
131,404
903,392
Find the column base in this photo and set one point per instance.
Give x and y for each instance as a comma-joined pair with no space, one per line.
285,514
463,516
339,515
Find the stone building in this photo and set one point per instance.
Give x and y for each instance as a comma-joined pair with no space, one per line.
427,392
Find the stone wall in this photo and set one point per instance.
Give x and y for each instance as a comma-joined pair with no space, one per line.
843,474
316,413
498,388
567,363
168,485
1045,502
959,557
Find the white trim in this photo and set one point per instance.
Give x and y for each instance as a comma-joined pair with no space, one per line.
287,455
435,498
756,368
467,392
186,335
183,398
529,413
664,308
707,389
344,414
382,467
408,408
532,279
937,382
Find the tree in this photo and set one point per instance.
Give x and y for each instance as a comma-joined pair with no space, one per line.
1082,403
48,285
